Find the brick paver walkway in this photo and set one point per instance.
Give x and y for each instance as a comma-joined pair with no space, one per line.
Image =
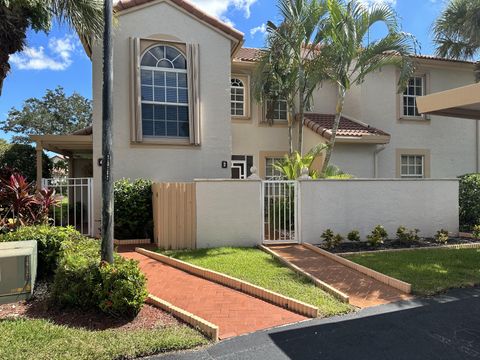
363,291
234,312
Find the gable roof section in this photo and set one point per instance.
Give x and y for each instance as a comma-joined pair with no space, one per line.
236,35
348,130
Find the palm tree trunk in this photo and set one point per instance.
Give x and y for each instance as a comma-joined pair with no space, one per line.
336,122
301,113
107,110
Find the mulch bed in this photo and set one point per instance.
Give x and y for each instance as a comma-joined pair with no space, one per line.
395,244
41,307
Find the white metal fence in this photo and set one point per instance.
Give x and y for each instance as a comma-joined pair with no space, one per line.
75,206
280,200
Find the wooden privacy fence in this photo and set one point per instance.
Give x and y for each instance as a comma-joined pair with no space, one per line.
174,215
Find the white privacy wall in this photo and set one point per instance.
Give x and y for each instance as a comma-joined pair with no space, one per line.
344,205
229,213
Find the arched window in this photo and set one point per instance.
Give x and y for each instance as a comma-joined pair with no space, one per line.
237,90
164,93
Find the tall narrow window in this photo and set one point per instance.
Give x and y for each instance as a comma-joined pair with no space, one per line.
237,93
415,87
280,110
164,93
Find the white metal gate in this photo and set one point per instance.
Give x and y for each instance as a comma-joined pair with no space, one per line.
280,209
75,206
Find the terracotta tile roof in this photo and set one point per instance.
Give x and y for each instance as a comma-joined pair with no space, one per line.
248,54
192,9
253,54
322,125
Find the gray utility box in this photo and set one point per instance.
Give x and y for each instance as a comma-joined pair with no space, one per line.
18,269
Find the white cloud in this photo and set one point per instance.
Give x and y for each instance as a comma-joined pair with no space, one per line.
57,56
262,29
371,2
219,8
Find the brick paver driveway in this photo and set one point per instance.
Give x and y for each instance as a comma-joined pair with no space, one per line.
234,312
363,291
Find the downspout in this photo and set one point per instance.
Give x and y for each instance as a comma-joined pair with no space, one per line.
375,159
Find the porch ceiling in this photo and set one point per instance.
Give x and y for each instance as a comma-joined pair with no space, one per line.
65,144
462,102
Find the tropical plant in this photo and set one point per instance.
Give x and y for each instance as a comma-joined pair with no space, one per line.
354,235
456,31
469,200
377,236
292,165
351,56
287,70
330,239
334,172
85,16
54,114
406,236
441,236
476,232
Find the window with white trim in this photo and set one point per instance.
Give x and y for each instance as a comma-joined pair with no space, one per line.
272,173
412,166
415,87
280,110
237,97
164,93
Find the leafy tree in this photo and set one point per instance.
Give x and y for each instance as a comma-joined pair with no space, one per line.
457,31
55,113
287,70
17,16
23,158
351,56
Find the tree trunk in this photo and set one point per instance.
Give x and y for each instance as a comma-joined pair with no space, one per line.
301,112
336,122
107,117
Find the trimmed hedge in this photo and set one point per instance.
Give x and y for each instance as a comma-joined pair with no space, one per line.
469,198
49,240
82,280
133,209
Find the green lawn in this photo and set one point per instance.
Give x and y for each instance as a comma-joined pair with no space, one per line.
40,339
260,268
429,271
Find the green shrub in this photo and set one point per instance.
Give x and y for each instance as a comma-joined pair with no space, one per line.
133,209
469,200
82,280
406,236
49,240
441,236
353,235
330,239
377,237
476,232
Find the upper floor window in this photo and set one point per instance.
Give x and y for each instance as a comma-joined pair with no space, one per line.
237,97
280,110
415,87
164,93
412,166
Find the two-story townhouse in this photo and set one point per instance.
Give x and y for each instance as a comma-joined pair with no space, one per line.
183,109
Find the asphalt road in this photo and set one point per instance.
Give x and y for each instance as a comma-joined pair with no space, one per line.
444,327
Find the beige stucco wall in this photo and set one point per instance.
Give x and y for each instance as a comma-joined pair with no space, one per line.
228,213
167,163
345,205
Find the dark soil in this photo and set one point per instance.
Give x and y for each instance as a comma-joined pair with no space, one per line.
41,307
395,244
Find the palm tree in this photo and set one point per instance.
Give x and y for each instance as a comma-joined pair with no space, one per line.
291,166
17,16
352,57
285,70
457,31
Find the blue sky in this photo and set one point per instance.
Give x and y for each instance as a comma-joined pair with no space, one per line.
58,59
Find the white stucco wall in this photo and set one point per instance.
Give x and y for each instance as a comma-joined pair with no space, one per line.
166,163
345,205
355,159
228,213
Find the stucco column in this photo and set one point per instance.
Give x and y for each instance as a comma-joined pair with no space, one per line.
39,165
